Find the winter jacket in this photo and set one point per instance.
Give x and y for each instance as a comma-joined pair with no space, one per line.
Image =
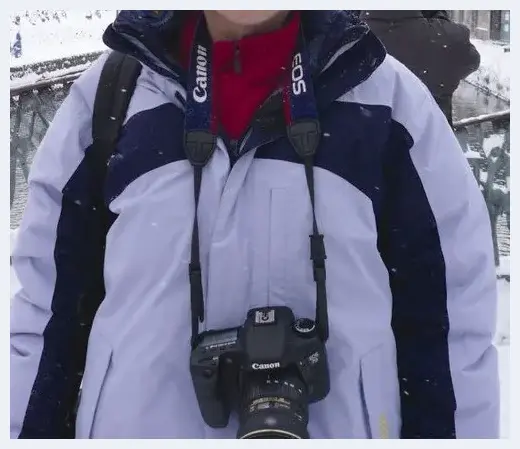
410,269
433,47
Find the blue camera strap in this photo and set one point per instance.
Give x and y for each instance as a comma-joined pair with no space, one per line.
303,132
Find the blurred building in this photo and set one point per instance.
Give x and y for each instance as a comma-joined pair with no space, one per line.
485,24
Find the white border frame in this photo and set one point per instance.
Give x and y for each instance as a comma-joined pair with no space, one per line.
207,444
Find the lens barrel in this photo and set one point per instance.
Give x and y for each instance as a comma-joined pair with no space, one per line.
274,406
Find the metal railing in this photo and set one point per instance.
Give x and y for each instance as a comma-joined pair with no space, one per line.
42,68
32,108
484,140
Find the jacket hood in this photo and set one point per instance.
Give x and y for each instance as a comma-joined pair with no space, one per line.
146,34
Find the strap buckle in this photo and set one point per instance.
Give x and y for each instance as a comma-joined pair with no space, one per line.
197,303
318,254
304,137
199,147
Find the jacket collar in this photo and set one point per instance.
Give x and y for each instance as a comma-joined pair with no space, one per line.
342,51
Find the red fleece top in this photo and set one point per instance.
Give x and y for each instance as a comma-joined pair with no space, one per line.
245,72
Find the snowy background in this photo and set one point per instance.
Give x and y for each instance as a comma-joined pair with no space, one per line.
47,35
493,74
55,34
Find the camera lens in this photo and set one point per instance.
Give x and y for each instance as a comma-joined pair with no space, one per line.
273,406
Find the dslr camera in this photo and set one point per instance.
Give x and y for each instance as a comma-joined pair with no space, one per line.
268,371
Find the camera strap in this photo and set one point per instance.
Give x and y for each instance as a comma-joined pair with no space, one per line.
303,131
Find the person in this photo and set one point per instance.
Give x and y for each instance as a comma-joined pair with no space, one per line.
307,128
16,43
437,50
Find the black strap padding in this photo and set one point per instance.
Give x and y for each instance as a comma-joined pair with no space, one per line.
305,139
115,89
199,147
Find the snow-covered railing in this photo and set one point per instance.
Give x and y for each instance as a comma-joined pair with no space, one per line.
32,108
484,140
41,70
24,86
493,117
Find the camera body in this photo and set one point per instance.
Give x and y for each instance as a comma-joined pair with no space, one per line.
272,345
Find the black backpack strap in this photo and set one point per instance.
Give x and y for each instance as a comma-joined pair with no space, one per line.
115,88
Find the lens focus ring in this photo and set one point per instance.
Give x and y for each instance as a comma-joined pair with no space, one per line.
273,406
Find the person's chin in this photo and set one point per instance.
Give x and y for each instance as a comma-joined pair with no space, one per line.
248,18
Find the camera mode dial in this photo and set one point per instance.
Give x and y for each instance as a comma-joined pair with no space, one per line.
305,327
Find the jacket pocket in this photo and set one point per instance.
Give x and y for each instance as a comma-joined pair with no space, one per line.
380,393
98,363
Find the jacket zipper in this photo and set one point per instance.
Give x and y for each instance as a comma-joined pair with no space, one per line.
234,150
237,65
236,145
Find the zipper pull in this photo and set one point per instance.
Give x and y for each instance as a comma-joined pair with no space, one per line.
236,60
234,147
